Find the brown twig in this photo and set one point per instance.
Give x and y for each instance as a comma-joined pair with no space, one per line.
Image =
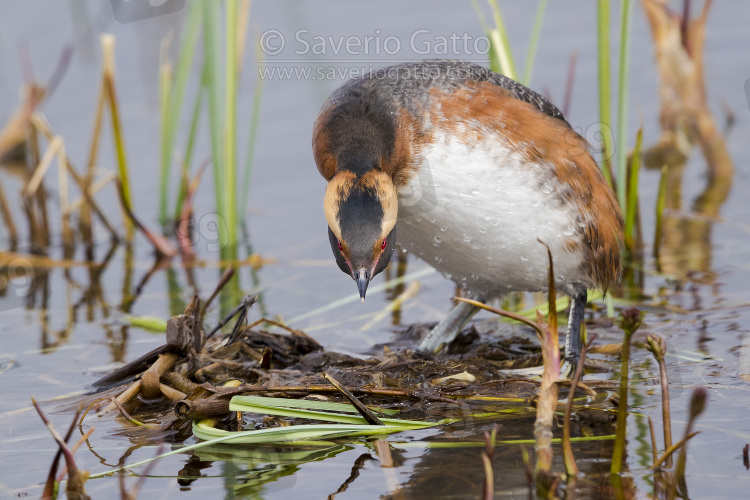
199,409
362,409
548,391
247,302
49,485
179,382
500,312
164,363
125,413
225,277
171,393
182,231
40,124
160,243
75,447
289,329
7,217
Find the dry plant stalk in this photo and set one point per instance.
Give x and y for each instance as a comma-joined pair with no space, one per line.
163,364
656,346
7,217
548,392
44,163
631,321
40,124
363,410
76,477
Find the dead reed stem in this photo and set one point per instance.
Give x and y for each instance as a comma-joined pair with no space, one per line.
164,363
62,175
108,80
363,410
656,345
7,216
40,123
44,163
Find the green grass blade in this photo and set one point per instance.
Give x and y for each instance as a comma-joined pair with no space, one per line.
165,84
149,323
536,32
190,145
304,404
661,203
498,442
108,79
500,44
632,203
304,451
212,60
252,135
626,15
175,98
605,104
238,404
230,126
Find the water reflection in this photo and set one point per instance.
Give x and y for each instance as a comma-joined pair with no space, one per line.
684,250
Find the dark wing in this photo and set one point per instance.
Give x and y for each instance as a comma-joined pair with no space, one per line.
523,93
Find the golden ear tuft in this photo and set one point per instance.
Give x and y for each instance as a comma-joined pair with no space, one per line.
337,190
386,191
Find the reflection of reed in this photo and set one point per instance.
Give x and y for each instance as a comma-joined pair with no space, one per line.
686,121
397,290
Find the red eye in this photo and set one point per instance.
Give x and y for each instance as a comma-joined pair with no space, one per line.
341,247
383,245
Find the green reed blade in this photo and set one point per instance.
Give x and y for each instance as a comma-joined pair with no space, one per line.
501,44
173,100
632,202
536,32
605,106
626,15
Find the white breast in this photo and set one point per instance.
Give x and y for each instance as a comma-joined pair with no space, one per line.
476,212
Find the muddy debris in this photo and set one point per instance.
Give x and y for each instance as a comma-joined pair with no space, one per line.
194,375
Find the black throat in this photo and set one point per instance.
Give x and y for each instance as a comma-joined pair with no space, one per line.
360,218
